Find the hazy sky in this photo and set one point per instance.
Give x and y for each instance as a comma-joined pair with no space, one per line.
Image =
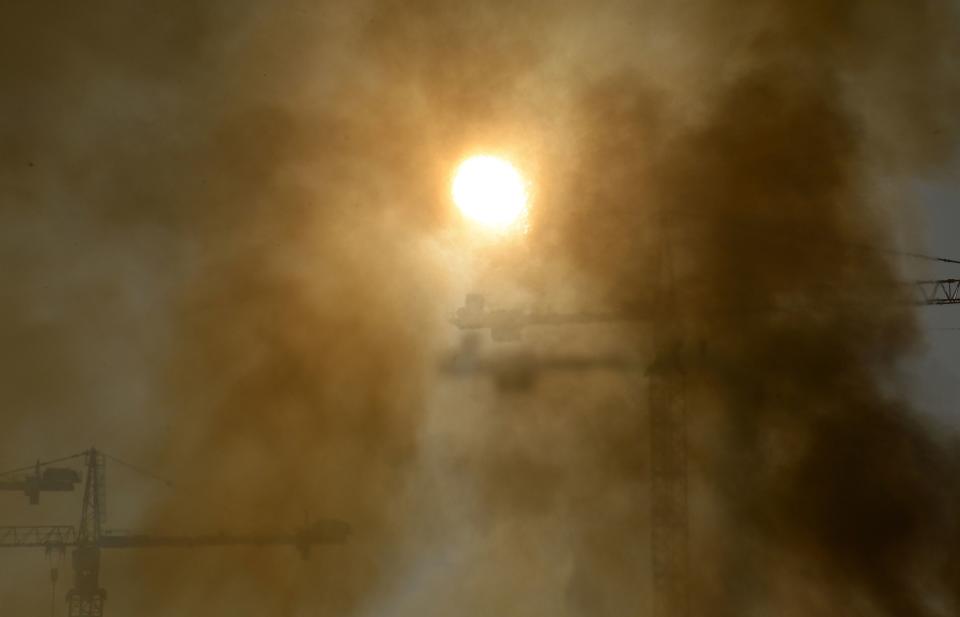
939,372
229,254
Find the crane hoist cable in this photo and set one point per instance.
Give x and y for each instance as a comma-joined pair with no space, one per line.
140,470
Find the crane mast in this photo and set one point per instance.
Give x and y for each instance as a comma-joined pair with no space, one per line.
666,392
669,529
86,597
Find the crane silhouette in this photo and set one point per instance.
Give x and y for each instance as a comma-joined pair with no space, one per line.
668,429
86,597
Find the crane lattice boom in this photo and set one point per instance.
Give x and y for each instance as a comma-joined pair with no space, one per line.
942,291
42,536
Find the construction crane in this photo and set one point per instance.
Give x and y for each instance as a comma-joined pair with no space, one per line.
668,433
508,324
86,598
668,429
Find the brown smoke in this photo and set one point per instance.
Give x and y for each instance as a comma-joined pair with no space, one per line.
831,496
229,246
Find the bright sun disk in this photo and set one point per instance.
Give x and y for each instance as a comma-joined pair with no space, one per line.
490,191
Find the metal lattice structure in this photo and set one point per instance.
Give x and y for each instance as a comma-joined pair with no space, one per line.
86,598
85,606
669,533
669,515
669,537
936,292
42,536
94,499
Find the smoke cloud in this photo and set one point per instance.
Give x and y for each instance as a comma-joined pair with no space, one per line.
230,253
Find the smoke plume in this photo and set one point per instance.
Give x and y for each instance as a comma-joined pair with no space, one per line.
230,253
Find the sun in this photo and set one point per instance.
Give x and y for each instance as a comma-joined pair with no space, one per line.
490,191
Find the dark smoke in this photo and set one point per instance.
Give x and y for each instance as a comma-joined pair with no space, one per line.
835,498
226,235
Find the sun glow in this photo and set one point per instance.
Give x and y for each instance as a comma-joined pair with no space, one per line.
490,191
